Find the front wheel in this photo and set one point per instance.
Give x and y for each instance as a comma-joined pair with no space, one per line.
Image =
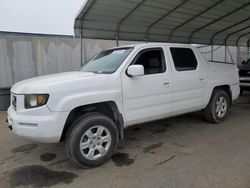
92,140
217,109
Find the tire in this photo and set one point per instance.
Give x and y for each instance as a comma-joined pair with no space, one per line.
99,137
214,113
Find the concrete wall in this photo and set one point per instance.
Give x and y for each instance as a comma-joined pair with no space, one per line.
23,57
243,54
219,53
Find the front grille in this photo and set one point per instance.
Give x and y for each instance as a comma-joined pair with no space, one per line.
14,101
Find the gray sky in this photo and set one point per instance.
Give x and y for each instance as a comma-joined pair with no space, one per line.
39,16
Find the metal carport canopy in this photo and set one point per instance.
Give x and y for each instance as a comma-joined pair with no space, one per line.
215,22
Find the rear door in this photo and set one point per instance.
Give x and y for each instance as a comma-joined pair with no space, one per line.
148,97
189,80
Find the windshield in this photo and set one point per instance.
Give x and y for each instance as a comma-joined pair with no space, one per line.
107,61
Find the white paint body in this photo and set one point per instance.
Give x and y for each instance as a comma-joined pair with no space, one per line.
139,99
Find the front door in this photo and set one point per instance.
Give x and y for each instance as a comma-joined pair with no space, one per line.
148,97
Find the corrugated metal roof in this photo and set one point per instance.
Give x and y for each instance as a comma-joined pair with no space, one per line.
181,21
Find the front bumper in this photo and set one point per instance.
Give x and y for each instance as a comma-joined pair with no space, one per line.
44,127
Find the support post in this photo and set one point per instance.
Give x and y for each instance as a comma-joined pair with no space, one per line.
238,56
81,48
117,41
212,52
225,52
248,48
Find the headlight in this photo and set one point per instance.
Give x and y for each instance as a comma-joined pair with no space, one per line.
35,100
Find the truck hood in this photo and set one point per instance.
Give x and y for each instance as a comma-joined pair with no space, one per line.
51,83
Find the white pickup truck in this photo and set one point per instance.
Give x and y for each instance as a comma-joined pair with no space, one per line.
117,88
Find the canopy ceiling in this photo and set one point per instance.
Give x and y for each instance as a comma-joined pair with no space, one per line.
182,21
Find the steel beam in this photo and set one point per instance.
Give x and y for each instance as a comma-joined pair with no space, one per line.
192,18
229,27
235,32
81,26
216,20
241,36
81,19
125,17
162,17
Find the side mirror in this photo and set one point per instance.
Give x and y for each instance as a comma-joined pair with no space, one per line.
135,70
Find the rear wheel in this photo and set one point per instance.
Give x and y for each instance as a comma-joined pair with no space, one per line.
217,109
92,140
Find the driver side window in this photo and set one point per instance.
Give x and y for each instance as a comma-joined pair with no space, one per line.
152,60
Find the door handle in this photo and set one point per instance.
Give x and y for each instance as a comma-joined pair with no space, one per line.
166,83
202,78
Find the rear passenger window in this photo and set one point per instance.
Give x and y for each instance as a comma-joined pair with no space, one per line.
184,59
152,60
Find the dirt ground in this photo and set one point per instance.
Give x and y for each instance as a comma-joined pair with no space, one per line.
180,152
